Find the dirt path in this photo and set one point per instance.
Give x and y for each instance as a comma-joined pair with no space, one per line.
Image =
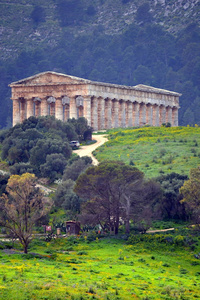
87,150
159,230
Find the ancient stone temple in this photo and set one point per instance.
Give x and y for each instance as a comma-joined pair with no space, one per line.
104,105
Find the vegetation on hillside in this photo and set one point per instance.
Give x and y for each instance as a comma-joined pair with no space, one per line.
153,266
114,195
142,53
41,145
154,150
114,191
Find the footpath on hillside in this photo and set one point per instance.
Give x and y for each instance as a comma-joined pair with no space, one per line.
87,150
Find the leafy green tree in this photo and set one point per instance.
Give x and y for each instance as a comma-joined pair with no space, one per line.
142,75
3,182
91,11
70,11
20,168
38,14
54,166
78,166
38,154
111,188
191,193
81,128
67,199
143,13
170,206
189,116
22,206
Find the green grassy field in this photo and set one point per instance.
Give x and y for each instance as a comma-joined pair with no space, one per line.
154,150
148,267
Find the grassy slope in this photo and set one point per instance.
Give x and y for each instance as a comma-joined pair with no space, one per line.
102,269
154,150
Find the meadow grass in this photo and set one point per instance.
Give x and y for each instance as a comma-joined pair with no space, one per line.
108,268
154,150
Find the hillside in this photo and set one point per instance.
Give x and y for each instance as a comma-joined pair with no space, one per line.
24,23
126,42
155,151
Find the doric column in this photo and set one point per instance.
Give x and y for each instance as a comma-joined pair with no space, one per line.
155,115
37,106
22,110
59,109
108,113
129,114
101,113
115,113
87,109
142,121
51,109
37,109
136,114
65,112
72,108
65,107
29,108
44,107
162,109
149,114
169,115
175,116
122,114
16,111
79,106
94,113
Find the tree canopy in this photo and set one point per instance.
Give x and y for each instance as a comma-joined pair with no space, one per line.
191,193
41,145
170,205
21,206
111,190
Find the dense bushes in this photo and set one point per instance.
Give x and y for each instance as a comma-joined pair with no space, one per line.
41,145
155,240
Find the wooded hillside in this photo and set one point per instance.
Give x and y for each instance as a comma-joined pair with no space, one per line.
132,42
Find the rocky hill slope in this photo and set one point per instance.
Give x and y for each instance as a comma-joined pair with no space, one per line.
25,23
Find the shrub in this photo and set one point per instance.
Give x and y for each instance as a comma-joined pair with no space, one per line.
183,271
82,253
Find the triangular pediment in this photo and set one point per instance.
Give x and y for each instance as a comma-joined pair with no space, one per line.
46,78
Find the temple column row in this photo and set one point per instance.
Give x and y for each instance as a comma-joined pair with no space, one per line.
100,113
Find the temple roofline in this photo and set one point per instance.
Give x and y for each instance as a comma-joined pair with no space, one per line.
139,87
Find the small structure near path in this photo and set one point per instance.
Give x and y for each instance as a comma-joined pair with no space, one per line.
73,227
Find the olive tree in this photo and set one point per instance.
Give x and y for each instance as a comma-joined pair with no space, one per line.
21,206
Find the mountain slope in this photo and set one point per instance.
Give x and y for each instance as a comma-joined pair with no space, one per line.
126,42
25,23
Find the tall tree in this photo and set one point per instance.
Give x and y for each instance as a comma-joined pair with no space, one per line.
170,205
191,193
22,206
110,189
